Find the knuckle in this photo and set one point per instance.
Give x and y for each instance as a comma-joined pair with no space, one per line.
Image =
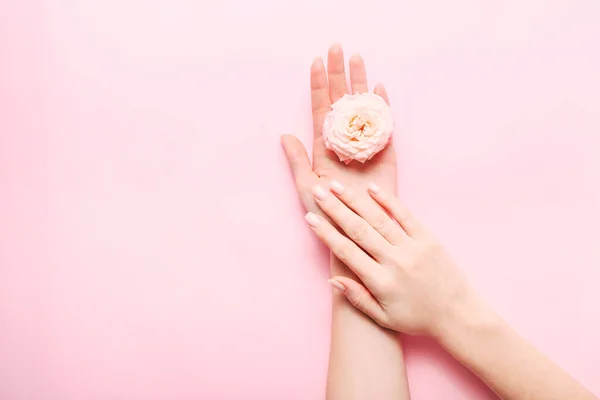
342,251
430,246
412,262
381,223
358,231
386,287
403,216
357,301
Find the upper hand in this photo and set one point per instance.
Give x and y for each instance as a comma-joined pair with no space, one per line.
409,282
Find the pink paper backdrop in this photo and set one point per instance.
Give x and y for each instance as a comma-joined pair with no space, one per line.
151,243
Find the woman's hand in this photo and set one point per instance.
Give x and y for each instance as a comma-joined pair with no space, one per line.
410,282
365,361
327,87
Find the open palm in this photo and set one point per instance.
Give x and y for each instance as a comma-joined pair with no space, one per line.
327,87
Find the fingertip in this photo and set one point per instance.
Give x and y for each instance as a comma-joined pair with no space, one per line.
348,284
284,138
287,140
336,187
317,64
337,284
356,59
335,48
360,297
297,158
380,91
335,60
319,193
374,188
312,219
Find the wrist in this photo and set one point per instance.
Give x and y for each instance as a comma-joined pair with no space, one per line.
467,316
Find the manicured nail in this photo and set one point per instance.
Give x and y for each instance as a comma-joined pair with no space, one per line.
374,188
336,187
337,285
312,219
355,58
319,192
336,47
317,63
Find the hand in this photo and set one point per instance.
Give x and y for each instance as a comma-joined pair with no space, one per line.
326,165
410,282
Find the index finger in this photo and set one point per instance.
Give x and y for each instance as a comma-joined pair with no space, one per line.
380,91
346,250
319,95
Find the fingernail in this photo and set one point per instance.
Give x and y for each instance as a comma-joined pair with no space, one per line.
355,58
374,188
317,63
336,47
336,187
319,192
312,219
336,285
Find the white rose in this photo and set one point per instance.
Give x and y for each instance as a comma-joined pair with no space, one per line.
358,126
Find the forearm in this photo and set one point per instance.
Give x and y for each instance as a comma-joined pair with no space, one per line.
506,362
366,360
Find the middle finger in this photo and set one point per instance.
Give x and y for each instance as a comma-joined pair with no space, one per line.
336,74
358,75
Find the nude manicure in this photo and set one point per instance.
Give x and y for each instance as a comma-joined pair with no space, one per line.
320,193
374,188
312,219
336,187
336,284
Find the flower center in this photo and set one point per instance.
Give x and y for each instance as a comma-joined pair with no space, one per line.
359,126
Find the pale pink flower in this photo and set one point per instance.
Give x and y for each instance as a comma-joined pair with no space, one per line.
358,126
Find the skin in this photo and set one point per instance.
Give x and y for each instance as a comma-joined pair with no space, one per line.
406,281
365,361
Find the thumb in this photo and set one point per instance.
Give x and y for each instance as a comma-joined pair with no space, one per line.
297,158
359,297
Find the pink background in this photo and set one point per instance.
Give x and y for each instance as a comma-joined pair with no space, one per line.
151,243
